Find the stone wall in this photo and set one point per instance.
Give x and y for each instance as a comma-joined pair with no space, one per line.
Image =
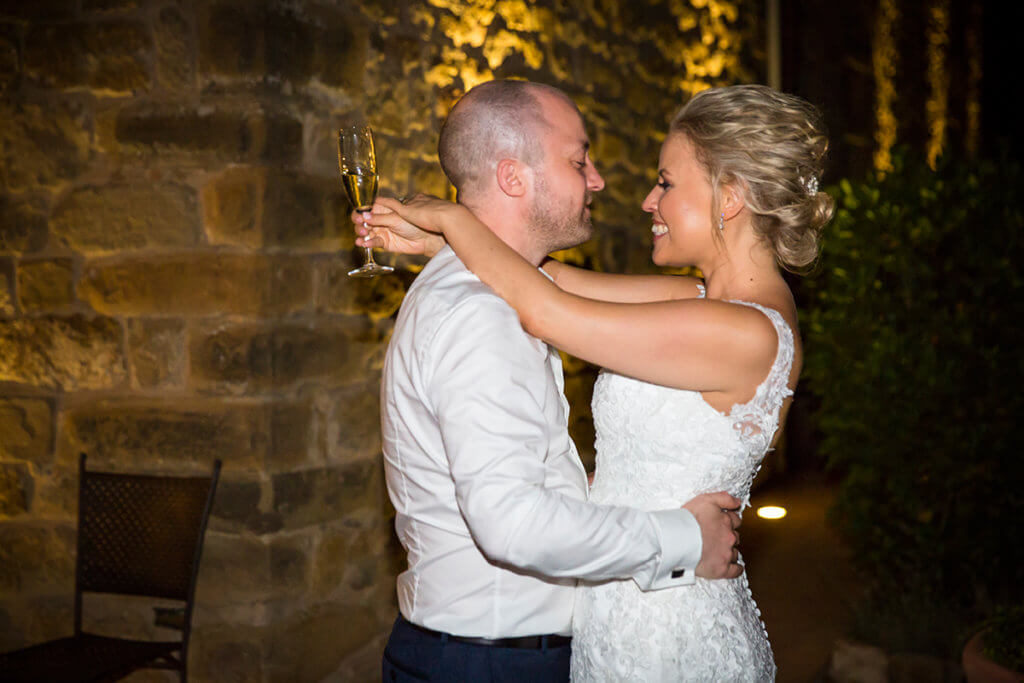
173,249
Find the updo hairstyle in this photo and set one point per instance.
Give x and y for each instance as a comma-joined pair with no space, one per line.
771,147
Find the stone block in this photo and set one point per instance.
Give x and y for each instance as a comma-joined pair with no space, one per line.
227,653
346,554
73,352
237,358
232,39
251,358
175,56
295,435
166,435
243,505
26,429
26,620
278,137
6,290
303,211
323,495
341,48
47,285
234,569
295,42
312,644
289,43
377,298
198,136
290,560
16,487
198,284
55,491
353,423
252,207
163,128
110,56
22,226
156,352
233,207
42,145
36,557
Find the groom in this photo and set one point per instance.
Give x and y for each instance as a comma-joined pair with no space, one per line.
489,490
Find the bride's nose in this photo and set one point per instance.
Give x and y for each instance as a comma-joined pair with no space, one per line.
650,204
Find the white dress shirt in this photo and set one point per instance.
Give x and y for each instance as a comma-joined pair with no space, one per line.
488,486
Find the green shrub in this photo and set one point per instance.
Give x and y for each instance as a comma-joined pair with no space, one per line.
1004,639
914,348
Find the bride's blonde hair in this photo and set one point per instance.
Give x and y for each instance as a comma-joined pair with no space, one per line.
771,147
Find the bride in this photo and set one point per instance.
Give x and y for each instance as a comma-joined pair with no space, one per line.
698,376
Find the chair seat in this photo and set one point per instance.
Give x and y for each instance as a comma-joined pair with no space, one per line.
81,658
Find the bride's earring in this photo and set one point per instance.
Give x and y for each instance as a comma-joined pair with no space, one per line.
721,221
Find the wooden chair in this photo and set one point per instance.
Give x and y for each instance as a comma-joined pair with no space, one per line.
137,535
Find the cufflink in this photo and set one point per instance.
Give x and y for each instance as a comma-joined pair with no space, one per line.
678,573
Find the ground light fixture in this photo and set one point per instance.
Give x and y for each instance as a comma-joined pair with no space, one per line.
771,512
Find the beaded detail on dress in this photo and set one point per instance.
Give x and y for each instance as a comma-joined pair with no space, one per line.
658,447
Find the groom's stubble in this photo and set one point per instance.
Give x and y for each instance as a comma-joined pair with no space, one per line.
556,222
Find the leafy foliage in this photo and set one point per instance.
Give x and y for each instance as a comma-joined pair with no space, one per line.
1004,639
914,347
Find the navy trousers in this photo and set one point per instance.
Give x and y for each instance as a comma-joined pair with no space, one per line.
412,655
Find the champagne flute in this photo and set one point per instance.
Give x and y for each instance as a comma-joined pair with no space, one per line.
357,162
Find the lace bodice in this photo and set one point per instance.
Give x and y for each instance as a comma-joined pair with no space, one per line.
657,448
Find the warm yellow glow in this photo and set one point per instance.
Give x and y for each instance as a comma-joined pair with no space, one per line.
883,61
938,79
705,49
771,512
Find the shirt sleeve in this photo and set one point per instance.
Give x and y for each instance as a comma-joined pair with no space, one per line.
489,386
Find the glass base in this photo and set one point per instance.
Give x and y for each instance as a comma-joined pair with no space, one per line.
370,270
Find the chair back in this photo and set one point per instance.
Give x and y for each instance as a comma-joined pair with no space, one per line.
141,534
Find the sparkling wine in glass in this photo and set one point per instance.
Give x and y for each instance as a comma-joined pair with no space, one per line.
357,162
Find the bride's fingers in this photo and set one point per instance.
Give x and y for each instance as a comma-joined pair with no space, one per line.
386,205
371,239
384,221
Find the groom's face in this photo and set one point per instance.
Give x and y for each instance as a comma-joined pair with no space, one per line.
565,180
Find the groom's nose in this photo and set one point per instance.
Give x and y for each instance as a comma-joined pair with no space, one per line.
595,183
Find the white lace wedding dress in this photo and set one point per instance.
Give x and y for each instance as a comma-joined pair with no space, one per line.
657,448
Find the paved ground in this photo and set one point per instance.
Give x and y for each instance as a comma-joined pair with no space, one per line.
799,575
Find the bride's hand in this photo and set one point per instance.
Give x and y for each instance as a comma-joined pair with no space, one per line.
383,228
424,211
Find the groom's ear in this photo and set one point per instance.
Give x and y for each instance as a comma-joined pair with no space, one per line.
513,177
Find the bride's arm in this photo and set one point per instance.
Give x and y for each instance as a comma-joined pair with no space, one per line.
621,288
689,344
405,238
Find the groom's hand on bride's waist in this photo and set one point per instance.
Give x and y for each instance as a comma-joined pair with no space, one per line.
717,516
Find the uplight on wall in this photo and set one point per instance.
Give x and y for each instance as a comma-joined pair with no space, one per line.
771,512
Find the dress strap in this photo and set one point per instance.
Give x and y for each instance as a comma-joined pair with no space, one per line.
760,415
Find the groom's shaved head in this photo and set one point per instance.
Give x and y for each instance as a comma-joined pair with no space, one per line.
493,121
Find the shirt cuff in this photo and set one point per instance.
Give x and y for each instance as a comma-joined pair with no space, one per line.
681,547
